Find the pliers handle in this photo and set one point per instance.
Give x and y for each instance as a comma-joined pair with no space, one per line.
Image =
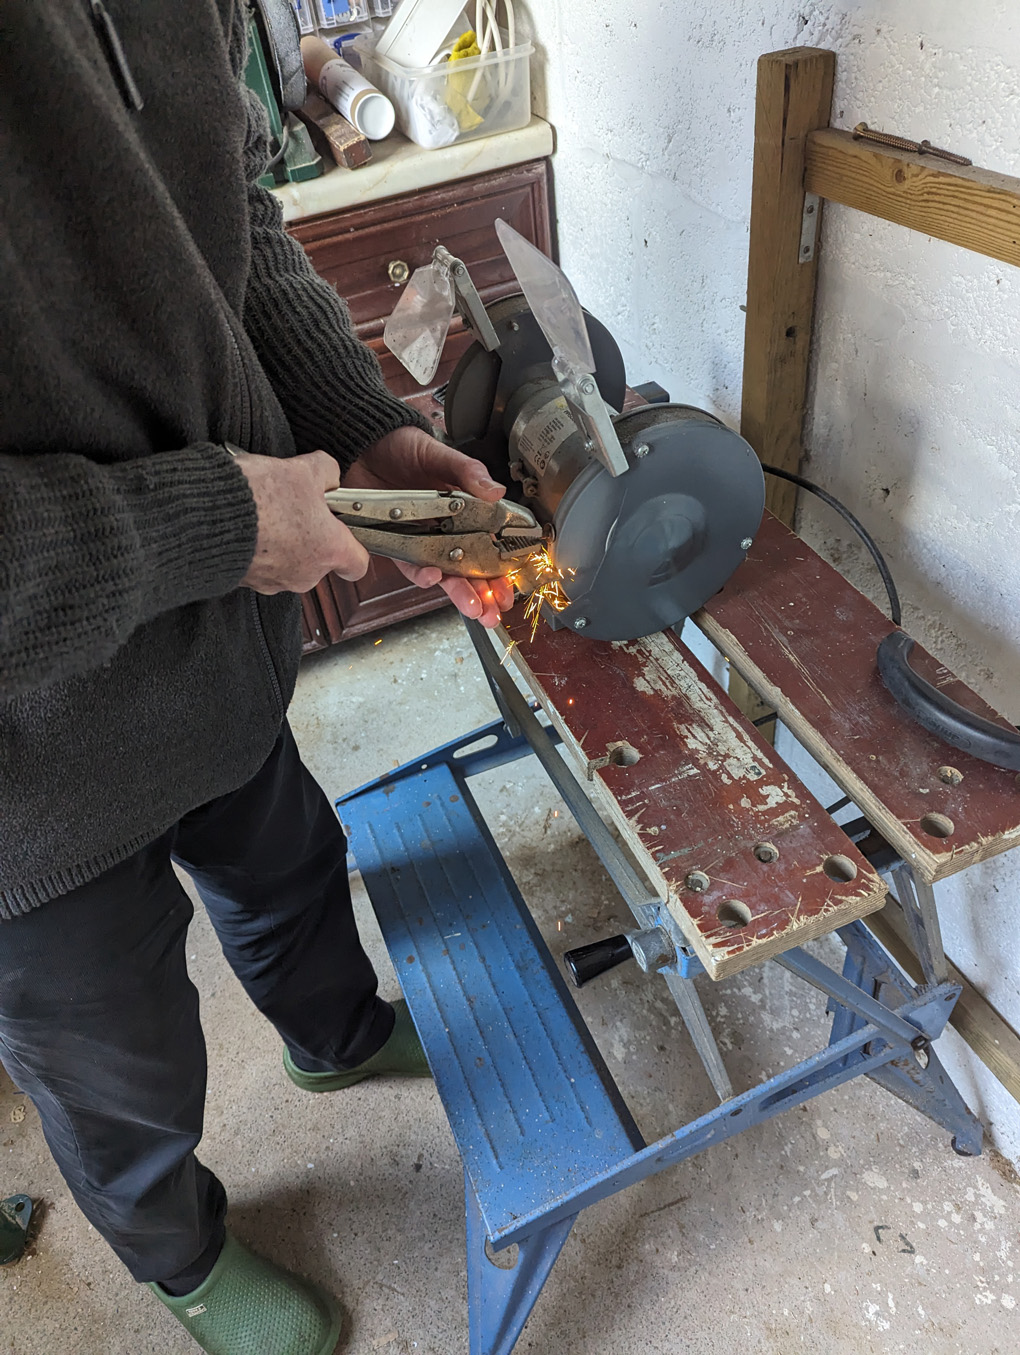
455,532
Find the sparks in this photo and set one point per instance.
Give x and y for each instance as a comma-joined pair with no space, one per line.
547,589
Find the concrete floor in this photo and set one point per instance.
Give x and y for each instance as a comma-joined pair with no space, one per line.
846,1227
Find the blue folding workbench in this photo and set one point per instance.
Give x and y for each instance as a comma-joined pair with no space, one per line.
538,1120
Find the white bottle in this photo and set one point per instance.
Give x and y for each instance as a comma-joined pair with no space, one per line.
360,102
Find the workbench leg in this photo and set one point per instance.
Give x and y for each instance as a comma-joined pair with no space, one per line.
918,1078
917,903
503,1286
930,1091
688,1003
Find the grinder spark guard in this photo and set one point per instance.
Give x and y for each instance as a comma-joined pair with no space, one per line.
645,514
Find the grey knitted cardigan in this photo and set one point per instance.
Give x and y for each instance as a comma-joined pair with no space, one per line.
151,309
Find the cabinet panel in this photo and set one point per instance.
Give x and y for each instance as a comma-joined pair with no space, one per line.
380,598
354,249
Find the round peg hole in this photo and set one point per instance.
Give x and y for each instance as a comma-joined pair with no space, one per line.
938,825
733,913
623,755
697,881
766,852
950,776
840,868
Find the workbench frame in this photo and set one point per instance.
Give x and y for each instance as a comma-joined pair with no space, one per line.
883,1026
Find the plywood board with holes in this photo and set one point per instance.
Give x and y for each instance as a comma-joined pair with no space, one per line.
806,640
749,863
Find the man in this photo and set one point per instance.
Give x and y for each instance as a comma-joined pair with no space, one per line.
179,390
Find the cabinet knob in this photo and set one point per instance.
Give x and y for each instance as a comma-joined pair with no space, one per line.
398,271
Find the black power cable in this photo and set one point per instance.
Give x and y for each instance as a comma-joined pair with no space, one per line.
859,528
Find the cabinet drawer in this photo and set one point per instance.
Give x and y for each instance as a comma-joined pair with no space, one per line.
354,249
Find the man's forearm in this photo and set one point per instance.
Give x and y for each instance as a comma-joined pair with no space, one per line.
327,380
89,552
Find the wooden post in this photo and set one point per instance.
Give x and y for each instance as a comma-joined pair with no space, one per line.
794,98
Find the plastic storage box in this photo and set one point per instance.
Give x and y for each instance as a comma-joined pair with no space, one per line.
337,13
449,102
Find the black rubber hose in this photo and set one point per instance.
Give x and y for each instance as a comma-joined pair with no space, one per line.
859,528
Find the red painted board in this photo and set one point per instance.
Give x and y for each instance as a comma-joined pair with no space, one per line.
805,639
705,793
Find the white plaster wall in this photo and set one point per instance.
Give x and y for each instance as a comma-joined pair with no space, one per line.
915,394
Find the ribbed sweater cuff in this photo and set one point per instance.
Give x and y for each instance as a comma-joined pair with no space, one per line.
197,523
88,553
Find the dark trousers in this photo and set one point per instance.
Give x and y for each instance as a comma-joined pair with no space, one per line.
99,1021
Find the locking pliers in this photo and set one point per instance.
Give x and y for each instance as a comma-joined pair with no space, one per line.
456,532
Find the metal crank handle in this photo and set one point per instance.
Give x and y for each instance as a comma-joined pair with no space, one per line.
940,715
467,555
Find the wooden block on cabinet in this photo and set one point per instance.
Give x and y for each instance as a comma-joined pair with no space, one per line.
332,135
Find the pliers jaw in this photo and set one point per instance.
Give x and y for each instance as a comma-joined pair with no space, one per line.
451,531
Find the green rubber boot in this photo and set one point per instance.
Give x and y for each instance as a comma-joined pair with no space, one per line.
248,1306
401,1056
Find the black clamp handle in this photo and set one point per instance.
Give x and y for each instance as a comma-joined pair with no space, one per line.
588,962
939,714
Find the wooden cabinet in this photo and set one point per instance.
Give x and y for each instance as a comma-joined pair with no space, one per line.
367,254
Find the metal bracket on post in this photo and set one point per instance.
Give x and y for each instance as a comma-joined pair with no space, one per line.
809,228
469,303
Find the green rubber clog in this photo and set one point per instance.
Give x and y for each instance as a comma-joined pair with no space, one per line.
401,1056
248,1306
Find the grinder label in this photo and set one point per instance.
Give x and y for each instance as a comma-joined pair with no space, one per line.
545,433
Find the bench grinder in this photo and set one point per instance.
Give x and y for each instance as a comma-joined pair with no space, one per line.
646,514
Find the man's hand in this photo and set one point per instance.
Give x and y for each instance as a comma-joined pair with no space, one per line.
409,459
299,540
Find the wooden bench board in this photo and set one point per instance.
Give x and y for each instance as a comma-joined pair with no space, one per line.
805,639
706,791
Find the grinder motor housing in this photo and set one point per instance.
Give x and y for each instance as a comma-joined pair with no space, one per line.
635,552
